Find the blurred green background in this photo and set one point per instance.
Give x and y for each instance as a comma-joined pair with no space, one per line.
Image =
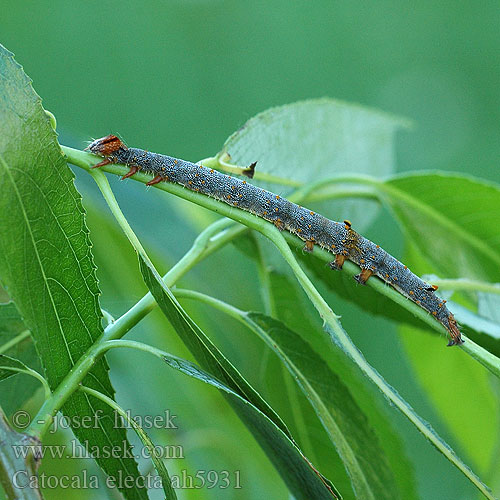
178,77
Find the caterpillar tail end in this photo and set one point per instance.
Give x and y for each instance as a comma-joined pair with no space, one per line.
456,337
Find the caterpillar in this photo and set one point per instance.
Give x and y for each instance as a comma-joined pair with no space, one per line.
314,229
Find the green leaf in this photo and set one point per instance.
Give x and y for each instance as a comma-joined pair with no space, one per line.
473,416
484,332
46,262
341,417
470,410
454,220
316,139
16,341
303,480
14,336
145,439
343,420
435,224
476,321
366,399
489,306
200,345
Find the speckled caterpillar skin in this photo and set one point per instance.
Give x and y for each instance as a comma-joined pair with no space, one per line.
314,229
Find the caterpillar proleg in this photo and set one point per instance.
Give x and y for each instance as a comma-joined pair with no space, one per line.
314,229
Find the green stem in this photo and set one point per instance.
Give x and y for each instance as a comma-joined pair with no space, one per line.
107,316
313,187
140,346
212,238
340,337
329,195
264,282
103,184
71,383
112,404
219,162
331,320
486,358
86,160
230,310
43,420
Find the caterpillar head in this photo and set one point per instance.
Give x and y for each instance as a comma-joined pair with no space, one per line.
106,146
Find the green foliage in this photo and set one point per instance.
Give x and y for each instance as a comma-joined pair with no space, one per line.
328,132
368,404
145,439
47,268
446,211
301,477
46,263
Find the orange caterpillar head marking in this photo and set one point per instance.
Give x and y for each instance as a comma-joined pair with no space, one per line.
106,146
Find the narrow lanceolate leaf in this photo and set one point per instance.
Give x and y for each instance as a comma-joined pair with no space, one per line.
363,404
303,480
146,441
16,341
318,139
343,420
453,219
200,345
46,263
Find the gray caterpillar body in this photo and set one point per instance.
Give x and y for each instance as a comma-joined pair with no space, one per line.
314,229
